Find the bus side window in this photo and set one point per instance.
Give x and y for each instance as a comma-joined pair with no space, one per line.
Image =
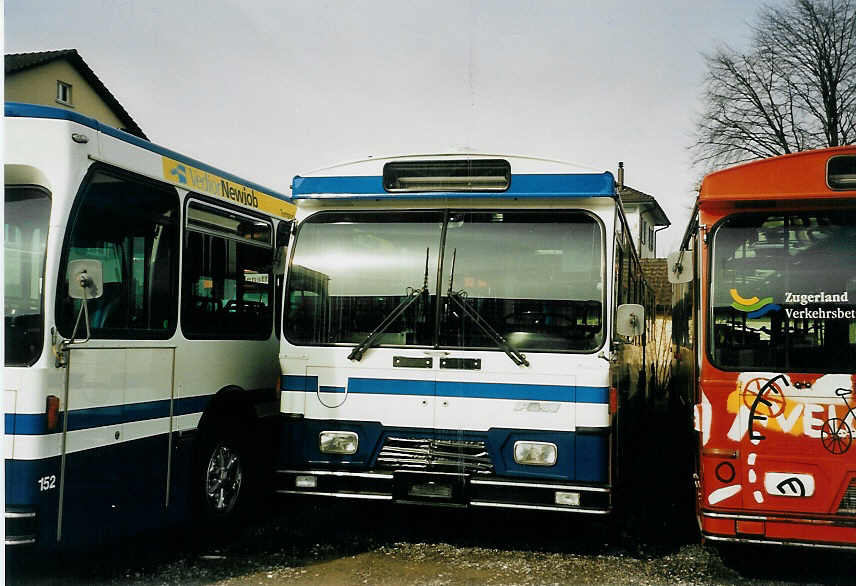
130,225
635,289
622,273
228,275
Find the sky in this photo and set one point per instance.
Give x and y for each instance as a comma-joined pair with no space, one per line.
268,89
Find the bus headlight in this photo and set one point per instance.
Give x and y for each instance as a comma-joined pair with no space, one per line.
535,453
338,442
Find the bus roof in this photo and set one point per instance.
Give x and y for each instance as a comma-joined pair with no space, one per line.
530,177
19,110
796,176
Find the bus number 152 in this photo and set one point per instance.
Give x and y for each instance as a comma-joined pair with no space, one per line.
47,482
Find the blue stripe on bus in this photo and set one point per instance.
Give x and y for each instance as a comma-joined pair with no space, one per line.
20,110
378,386
387,386
592,395
523,185
25,424
292,382
36,423
506,391
188,405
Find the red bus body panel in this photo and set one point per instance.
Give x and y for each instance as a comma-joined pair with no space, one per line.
779,478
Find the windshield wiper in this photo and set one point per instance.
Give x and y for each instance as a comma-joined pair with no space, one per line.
459,297
410,299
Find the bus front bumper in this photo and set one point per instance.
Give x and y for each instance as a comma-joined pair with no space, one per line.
800,531
447,490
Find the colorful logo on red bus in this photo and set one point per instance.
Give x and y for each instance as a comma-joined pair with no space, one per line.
753,306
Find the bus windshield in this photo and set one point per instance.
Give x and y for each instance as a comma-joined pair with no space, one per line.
536,277
25,232
784,292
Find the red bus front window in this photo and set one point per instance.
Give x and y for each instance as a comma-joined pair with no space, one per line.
783,292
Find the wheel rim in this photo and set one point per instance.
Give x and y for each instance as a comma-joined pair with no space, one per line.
836,436
223,479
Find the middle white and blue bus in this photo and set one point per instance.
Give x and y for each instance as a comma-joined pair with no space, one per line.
461,331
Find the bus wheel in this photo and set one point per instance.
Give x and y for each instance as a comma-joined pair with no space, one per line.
224,474
745,559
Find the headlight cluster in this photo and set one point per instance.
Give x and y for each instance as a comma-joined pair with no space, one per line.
535,453
338,442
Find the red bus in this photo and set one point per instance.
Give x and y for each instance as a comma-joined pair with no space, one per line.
764,324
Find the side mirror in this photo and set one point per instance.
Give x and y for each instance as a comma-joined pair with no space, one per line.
680,267
283,234
630,320
85,279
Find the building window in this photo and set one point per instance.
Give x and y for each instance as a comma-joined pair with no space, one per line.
642,232
63,93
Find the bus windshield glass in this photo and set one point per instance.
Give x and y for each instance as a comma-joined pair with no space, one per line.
536,277
784,292
25,233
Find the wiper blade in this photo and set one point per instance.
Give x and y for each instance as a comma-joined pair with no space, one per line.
516,356
460,300
412,296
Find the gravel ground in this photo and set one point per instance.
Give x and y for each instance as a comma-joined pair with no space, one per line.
339,543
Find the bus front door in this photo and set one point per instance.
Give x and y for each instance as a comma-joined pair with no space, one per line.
115,450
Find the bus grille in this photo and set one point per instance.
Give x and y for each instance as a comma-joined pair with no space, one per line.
847,506
435,455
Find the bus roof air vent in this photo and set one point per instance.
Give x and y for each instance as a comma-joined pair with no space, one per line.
462,175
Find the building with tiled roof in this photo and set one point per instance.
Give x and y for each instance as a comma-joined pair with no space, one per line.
63,79
645,218
657,276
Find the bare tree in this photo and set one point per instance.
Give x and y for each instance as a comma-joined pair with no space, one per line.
794,89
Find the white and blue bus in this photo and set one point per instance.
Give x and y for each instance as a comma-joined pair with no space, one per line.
141,289
462,331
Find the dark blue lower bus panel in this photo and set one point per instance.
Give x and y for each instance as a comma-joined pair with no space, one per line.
447,468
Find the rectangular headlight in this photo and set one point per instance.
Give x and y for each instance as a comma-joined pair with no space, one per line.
535,453
338,442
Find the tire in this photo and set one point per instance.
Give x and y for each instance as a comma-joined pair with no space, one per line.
225,473
748,560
